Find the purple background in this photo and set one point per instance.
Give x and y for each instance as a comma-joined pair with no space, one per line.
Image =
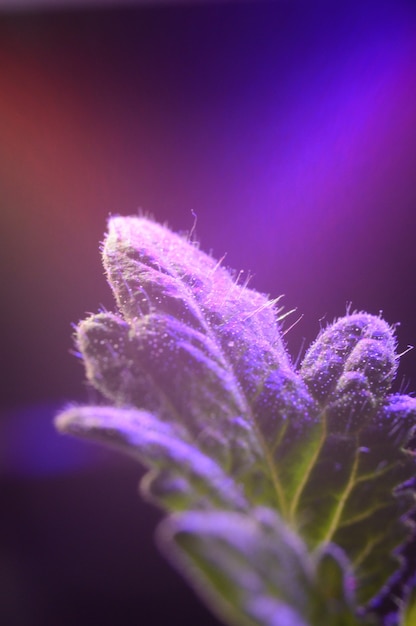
289,129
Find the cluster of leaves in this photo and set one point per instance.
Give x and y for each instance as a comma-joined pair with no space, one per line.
288,492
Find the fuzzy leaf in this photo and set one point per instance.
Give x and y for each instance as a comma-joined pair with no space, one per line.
355,493
197,350
204,393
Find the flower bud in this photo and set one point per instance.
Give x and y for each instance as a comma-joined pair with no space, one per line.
350,368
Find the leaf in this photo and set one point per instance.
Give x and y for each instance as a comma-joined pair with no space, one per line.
196,349
408,612
185,477
360,506
257,571
204,393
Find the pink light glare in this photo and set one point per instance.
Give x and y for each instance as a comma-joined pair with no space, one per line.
52,137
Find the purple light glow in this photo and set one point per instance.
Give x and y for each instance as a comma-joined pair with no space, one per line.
31,447
339,154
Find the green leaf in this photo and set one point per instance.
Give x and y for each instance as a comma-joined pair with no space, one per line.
360,461
204,393
256,571
408,612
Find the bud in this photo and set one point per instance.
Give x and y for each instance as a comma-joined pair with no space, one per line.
350,368
156,274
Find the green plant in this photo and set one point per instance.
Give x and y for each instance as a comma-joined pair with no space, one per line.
288,493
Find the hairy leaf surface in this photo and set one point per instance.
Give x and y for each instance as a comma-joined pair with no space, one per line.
203,392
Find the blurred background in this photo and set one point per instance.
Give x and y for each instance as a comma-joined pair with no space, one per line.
287,128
